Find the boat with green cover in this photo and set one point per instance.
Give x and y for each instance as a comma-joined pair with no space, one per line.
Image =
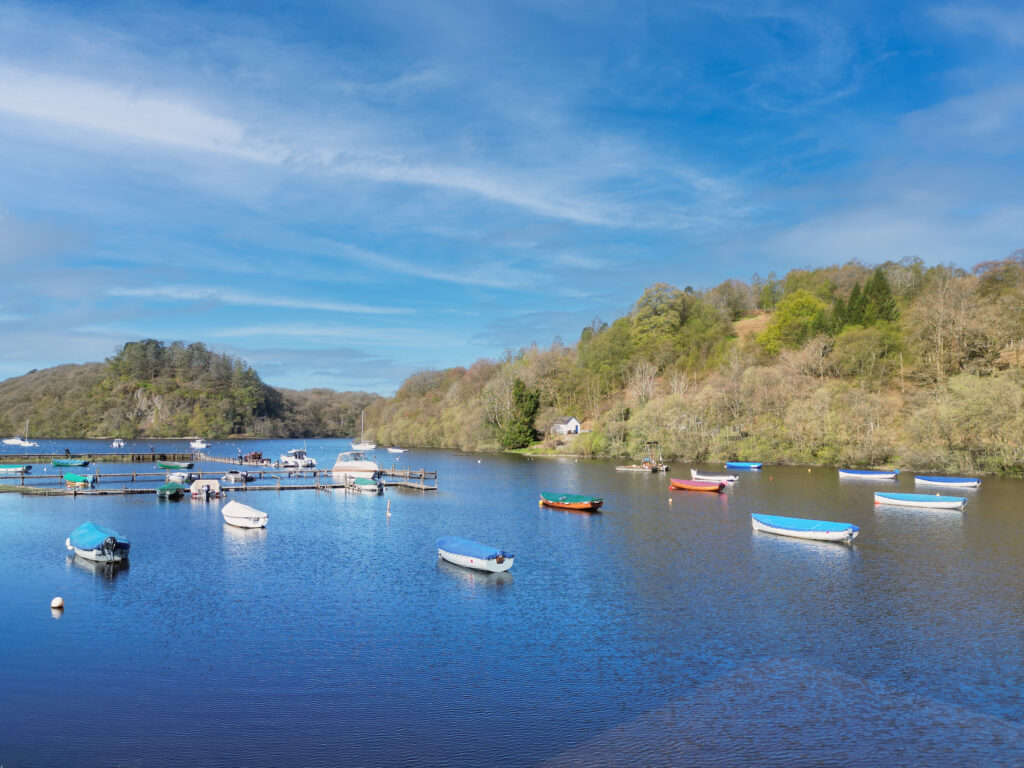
573,501
79,481
170,490
175,464
70,463
15,469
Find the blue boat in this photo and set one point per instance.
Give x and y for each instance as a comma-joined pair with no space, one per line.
949,482
798,527
94,542
870,474
743,465
472,554
921,500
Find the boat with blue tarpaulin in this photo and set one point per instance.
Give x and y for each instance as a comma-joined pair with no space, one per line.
800,528
949,482
931,501
743,464
97,543
870,474
473,554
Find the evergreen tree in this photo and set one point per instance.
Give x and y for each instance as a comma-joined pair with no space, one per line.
879,301
519,431
855,307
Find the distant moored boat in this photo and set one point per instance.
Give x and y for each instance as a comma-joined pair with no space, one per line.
70,463
696,485
243,516
571,501
472,554
743,464
799,528
175,464
949,482
696,474
869,474
921,500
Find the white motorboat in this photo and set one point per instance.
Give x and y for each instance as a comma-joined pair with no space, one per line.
393,449
24,442
205,489
367,485
198,444
99,544
182,477
712,477
799,528
296,458
472,554
117,443
355,464
237,476
243,516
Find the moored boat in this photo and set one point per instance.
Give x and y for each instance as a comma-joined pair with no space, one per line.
714,486
743,465
363,444
572,501
949,482
15,469
921,500
24,442
651,461
198,444
696,474
296,458
117,443
869,474
243,516
205,489
355,464
79,481
99,544
237,476
171,491
394,449
182,477
799,528
70,463
366,485
472,554
175,464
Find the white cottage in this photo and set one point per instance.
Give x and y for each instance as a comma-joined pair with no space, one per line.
566,425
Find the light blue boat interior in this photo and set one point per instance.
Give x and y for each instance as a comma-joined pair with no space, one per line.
800,524
743,464
459,546
869,472
92,536
931,479
923,497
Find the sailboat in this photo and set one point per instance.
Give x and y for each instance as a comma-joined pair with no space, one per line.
19,440
362,445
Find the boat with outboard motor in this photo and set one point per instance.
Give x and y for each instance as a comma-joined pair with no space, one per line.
472,554
99,544
79,481
296,458
205,488
355,464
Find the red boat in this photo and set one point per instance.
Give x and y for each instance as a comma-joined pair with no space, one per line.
571,501
696,485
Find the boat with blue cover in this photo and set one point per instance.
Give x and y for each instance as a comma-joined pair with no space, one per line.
743,464
921,500
472,554
870,474
949,482
99,544
800,528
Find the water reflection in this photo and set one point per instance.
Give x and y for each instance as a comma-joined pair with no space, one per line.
472,579
105,571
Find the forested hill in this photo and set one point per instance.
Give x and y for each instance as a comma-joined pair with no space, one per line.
897,364
152,389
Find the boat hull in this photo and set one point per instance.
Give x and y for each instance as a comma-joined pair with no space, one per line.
921,500
868,474
242,516
798,528
492,566
948,482
175,464
696,485
99,556
711,477
743,464
571,503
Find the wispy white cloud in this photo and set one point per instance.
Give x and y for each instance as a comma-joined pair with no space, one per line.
229,296
1005,25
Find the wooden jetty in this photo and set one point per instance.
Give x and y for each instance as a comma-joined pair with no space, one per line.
102,458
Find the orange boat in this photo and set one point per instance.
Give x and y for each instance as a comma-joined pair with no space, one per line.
696,485
571,501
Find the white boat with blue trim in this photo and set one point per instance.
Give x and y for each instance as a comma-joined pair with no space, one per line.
472,554
921,500
800,528
712,477
743,465
948,482
99,544
869,474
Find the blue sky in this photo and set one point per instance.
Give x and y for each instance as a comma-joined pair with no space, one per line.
345,193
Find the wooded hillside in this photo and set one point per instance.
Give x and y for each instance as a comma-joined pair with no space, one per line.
900,364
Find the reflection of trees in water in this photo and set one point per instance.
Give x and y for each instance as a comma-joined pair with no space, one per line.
106,571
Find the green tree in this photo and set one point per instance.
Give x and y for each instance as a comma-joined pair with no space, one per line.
798,317
519,431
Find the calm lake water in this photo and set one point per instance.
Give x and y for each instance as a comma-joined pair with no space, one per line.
654,633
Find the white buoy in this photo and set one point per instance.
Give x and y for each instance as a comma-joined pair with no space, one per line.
57,603
478,461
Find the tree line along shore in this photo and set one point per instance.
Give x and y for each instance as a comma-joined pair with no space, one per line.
855,365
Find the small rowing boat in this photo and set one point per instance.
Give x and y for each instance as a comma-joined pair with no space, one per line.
712,477
170,490
921,500
15,469
571,501
743,464
70,463
243,516
949,482
869,474
472,554
175,464
799,528
696,485
99,544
